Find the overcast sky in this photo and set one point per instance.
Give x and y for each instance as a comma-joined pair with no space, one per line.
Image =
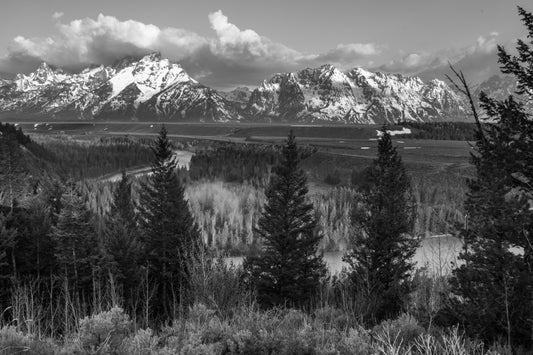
230,43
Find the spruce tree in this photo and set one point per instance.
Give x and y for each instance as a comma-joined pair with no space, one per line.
8,237
170,237
122,205
76,245
381,258
121,240
288,269
12,167
494,284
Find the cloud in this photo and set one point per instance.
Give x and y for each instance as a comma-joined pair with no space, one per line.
232,56
101,41
478,61
57,15
232,43
346,55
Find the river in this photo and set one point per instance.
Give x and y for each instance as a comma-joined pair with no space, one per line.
437,253
182,157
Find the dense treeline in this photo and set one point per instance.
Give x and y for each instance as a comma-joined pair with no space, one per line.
7,129
456,131
84,161
232,163
28,162
237,163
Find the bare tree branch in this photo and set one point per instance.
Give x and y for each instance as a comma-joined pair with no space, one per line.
464,89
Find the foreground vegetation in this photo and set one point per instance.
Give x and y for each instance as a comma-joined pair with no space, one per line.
249,331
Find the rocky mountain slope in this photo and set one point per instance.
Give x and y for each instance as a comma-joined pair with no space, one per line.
357,96
154,88
498,87
239,96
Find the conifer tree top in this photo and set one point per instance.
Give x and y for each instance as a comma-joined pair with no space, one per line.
163,152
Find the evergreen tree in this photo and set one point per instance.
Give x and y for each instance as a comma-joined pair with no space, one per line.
11,161
495,282
170,237
52,198
7,245
122,205
288,270
381,258
76,245
121,240
34,253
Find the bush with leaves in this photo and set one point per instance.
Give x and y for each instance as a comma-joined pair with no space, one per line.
105,332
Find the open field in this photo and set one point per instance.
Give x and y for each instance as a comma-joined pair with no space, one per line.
355,141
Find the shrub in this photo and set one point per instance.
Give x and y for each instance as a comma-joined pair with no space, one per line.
13,341
333,178
332,317
403,330
429,299
104,332
218,286
357,341
144,342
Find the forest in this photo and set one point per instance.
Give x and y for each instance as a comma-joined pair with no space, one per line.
90,265
456,131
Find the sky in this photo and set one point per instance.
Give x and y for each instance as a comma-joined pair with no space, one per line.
228,43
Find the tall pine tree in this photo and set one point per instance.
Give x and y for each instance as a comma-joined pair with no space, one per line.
121,240
288,270
170,237
11,161
8,237
495,282
381,258
76,248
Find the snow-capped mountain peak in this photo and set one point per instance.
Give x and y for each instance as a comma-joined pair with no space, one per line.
43,75
356,96
154,87
150,75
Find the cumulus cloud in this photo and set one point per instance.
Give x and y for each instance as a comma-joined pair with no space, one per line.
478,61
101,41
246,46
57,15
233,56
347,55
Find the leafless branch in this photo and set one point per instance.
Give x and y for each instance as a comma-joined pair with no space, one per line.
464,88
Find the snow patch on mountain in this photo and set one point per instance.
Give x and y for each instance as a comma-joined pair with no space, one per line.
404,130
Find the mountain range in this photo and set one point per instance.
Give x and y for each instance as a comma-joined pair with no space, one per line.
153,88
